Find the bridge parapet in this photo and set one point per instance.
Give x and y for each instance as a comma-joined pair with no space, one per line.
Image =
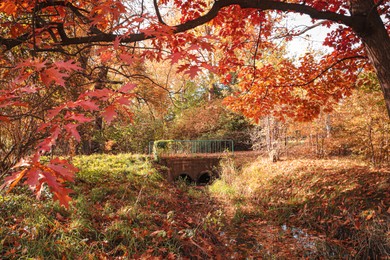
168,148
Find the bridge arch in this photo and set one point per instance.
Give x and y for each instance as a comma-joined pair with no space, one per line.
205,177
185,177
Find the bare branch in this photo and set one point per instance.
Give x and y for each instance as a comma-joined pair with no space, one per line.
306,29
160,20
10,43
258,42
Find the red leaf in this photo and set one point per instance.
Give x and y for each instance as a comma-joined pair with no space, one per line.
28,89
193,47
67,65
175,57
51,180
22,163
4,119
78,117
33,179
129,59
102,94
53,112
65,170
63,196
64,162
117,42
228,78
123,101
72,129
45,145
209,67
14,103
9,7
36,63
105,56
13,179
109,114
193,71
88,105
53,75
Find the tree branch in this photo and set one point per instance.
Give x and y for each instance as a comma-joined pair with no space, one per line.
328,68
10,43
306,29
213,12
158,13
373,9
354,22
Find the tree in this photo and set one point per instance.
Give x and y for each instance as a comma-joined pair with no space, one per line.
58,50
106,21
361,124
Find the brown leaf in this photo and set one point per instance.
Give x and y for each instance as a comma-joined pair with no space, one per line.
357,224
60,217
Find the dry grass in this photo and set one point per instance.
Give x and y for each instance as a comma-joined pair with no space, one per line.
343,202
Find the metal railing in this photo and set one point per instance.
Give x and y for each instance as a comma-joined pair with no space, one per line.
162,148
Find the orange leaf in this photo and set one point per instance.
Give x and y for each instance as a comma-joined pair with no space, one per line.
18,176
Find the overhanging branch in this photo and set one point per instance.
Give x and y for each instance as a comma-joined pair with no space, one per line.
327,69
211,14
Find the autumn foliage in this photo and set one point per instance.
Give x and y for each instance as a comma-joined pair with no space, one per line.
68,63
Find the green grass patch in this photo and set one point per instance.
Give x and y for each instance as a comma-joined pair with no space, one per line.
220,187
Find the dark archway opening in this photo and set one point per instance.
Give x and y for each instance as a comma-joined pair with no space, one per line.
204,178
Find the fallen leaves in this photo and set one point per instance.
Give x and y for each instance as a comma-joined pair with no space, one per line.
338,199
167,221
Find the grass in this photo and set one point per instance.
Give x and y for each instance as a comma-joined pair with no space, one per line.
121,208
342,202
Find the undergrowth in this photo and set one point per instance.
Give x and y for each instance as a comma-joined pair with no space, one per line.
121,208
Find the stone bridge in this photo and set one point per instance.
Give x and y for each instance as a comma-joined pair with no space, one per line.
193,160
193,169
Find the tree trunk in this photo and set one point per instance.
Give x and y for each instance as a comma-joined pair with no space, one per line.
377,44
378,50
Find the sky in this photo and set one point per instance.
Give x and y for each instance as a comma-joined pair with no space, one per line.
313,39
